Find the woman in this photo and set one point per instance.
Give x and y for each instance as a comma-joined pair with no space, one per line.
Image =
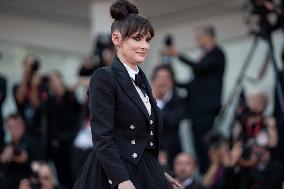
124,116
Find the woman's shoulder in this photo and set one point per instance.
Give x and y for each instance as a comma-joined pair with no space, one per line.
103,70
103,75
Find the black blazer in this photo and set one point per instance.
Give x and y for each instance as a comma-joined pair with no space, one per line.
206,89
118,116
172,113
3,91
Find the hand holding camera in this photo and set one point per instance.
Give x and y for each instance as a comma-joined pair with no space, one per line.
7,154
13,153
30,184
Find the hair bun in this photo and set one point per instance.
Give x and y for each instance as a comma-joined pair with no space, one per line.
121,8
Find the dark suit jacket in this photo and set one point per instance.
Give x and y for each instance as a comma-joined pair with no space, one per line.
206,89
279,116
119,116
3,91
194,185
172,113
272,176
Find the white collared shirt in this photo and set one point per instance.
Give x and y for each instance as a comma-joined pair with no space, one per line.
187,182
162,102
145,99
130,71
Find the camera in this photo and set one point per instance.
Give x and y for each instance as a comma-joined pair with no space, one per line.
261,20
17,150
258,7
35,181
33,61
169,41
35,66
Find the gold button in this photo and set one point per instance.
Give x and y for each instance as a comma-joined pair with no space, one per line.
151,144
109,181
132,141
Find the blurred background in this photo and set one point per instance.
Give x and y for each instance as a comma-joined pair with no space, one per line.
49,49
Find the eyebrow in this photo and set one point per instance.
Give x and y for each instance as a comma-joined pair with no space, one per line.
142,34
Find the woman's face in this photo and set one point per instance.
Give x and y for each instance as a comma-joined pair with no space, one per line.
134,49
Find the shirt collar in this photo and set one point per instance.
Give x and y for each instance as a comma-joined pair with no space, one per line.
207,51
130,71
162,102
187,182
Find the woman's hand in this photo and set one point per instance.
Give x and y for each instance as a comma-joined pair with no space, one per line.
126,185
172,181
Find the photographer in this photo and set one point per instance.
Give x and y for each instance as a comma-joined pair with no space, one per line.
41,178
3,91
208,79
267,173
28,95
278,114
16,156
63,116
265,9
221,173
270,6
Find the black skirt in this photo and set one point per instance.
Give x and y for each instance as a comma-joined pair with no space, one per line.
148,174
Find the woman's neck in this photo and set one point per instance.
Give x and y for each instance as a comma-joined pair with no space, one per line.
123,60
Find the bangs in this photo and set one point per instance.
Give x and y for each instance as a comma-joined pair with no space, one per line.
140,25
133,24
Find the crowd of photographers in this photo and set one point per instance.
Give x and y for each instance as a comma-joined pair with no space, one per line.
45,142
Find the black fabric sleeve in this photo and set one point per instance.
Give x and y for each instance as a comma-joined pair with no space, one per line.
3,90
102,110
204,66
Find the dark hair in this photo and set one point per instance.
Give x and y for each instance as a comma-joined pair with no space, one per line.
14,116
166,67
128,21
214,139
208,30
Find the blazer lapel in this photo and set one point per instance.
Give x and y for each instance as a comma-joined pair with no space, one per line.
125,82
